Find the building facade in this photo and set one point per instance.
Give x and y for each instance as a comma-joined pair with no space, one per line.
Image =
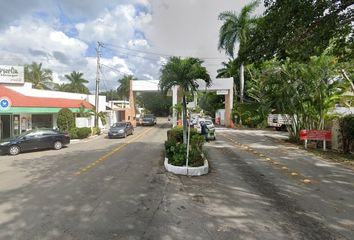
23,108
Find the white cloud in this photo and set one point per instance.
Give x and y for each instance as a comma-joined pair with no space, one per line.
176,27
33,40
116,27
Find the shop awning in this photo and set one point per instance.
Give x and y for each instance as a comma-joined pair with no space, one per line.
17,110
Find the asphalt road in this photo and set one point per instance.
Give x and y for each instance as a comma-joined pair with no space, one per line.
117,189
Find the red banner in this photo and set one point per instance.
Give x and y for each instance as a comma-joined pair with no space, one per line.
315,135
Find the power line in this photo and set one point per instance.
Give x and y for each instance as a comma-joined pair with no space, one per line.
133,55
156,53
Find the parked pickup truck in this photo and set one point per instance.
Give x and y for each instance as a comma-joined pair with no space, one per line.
279,121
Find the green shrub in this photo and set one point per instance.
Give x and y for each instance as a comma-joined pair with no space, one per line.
170,146
83,132
195,158
179,155
73,133
176,151
176,133
346,124
66,120
197,141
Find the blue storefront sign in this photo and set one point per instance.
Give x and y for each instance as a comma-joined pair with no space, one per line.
5,103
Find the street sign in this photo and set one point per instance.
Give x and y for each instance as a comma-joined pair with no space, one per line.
315,135
222,92
320,135
5,103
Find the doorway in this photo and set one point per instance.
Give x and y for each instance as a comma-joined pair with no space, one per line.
5,126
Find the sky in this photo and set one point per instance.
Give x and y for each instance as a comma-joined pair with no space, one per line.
137,36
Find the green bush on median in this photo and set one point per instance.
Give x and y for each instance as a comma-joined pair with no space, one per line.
176,151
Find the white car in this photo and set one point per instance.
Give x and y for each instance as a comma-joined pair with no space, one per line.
209,123
210,126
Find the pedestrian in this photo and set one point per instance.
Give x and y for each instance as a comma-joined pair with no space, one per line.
204,130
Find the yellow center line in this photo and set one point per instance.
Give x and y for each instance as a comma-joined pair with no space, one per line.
268,159
105,157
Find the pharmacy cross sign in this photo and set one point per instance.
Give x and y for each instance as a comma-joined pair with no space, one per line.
4,103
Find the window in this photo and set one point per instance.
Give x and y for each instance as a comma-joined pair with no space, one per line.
42,121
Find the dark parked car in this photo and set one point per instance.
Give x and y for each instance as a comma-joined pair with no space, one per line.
148,120
33,140
121,129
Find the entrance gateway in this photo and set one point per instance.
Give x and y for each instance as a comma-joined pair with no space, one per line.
223,86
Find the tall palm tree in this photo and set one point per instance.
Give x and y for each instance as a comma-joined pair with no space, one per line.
77,83
124,86
236,28
40,78
183,73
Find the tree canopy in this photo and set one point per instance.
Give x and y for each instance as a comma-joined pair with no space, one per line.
301,29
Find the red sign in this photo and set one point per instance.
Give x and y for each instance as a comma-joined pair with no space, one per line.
315,135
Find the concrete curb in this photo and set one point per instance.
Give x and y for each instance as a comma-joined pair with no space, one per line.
85,139
192,171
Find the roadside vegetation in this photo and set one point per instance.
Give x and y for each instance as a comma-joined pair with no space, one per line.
66,123
302,65
176,150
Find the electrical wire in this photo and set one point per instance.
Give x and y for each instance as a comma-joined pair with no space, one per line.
115,47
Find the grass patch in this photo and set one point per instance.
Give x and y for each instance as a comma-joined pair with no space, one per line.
334,156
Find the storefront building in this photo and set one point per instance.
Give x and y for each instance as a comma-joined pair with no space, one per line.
23,108
25,112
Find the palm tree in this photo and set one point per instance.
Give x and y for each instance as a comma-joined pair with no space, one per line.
236,28
77,83
183,73
124,86
40,78
64,87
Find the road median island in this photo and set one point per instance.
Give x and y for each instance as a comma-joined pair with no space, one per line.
189,171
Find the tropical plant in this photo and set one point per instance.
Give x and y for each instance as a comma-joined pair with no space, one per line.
124,86
64,87
77,83
306,91
178,108
237,28
183,73
40,78
88,112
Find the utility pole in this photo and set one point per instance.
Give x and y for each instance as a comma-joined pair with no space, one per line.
98,69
